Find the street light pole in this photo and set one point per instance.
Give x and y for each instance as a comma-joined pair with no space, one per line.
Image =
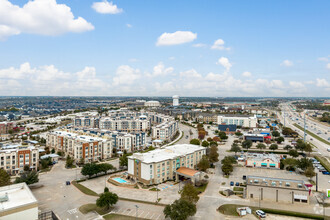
136,211
305,127
157,192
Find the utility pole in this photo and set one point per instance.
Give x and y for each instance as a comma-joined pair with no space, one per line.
305,127
157,192
136,211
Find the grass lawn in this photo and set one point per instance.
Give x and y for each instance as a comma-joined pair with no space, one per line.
92,207
84,189
230,209
313,135
113,216
238,188
154,189
324,162
201,188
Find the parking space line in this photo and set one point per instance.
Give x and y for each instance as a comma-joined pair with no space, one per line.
158,216
141,213
152,216
130,212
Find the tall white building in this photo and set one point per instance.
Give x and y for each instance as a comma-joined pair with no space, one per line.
175,100
241,120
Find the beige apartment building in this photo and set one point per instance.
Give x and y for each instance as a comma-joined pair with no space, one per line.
160,165
13,158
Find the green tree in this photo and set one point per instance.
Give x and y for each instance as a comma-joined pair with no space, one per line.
238,133
308,148
205,144
227,168
53,151
228,160
26,168
276,133
28,177
290,163
293,153
195,142
69,161
203,164
106,189
223,135
273,147
89,169
309,172
213,143
261,146
105,167
190,193
279,140
107,199
4,178
235,148
180,210
247,144
123,160
304,163
213,156
287,147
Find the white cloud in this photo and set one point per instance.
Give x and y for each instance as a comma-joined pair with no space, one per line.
126,75
325,59
199,45
225,63
219,45
129,25
44,17
296,85
246,74
106,7
328,66
178,37
192,73
322,83
160,70
277,84
287,63
171,58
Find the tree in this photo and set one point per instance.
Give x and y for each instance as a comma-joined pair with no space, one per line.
190,193
308,148
195,142
28,177
89,169
223,135
293,153
107,199
309,172
203,164
261,146
235,148
287,147
216,139
53,151
123,160
247,144
104,167
201,135
45,163
227,168
180,210
304,163
238,133
279,140
273,147
106,189
69,162
290,163
213,143
205,144
213,156
4,178
209,139
276,133
228,160
26,168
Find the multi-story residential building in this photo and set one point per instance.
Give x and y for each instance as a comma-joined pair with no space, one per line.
80,146
13,158
165,130
161,165
240,120
5,127
86,121
125,124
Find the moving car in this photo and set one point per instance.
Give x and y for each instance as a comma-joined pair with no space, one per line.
261,213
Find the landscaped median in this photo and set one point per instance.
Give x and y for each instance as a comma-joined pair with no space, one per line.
324,162
121,217
84,189
313,135
230,209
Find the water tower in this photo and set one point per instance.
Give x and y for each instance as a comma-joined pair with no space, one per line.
175,100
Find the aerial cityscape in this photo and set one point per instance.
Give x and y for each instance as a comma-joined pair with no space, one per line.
164,110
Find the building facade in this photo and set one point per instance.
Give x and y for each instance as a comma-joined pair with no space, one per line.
263,160
248,121
13,158
5,127
152,104
277,190
160,165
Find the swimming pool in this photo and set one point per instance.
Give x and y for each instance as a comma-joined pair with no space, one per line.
120,180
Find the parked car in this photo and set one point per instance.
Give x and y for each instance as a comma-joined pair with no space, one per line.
326,173
244,177
67,183
237,184
261,213
232,183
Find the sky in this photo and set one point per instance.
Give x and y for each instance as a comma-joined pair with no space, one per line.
272,48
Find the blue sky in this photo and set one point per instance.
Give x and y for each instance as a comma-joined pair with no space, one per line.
266,48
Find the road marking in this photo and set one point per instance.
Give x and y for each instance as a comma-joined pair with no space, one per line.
152,216
130,212
158,216
141,213
72,211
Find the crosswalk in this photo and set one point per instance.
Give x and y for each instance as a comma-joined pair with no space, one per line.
72,211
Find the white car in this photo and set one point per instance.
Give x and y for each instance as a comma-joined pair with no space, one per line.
261,213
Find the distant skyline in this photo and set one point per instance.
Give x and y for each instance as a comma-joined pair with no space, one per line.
160,48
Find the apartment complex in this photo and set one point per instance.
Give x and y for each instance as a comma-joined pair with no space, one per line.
240,120
160,165
18,202
80,146
125,124
165,127
86,121
13,158
277,190
5,127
